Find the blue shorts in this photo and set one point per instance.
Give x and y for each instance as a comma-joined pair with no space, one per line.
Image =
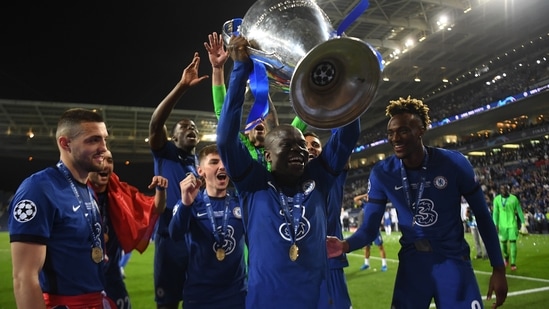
170,269
378,241
422,276
333,292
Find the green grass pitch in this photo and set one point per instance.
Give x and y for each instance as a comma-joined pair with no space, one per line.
528,286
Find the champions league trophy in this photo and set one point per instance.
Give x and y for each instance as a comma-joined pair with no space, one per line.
332,79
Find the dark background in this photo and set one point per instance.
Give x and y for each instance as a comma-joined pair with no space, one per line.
133,52
128,53
107,52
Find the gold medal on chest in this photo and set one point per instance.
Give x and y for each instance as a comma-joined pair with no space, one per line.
220,254
294,252
97,254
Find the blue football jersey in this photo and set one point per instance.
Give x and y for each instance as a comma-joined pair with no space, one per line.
274,279
173,164
208,278
437,214
45,210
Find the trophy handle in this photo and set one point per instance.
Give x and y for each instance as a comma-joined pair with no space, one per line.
230,28
272,61
331,80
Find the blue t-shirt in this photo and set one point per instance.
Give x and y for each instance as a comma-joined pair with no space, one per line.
208,279
45,210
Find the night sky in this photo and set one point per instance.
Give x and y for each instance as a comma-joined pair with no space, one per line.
107,52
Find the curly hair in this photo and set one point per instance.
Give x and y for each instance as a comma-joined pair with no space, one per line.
409,105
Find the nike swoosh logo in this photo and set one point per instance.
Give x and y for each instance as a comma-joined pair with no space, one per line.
75,208
398,188
201,214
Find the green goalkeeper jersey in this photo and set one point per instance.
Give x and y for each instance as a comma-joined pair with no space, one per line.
506,210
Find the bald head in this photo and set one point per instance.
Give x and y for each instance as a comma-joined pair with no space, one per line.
285,149
282,131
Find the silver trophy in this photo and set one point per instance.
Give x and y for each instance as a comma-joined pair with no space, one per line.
332,79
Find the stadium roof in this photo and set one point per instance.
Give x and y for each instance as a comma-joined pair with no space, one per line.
475,39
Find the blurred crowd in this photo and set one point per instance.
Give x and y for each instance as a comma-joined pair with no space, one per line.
524,74
526,170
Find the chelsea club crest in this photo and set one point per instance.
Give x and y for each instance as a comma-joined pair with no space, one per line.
308,187
440,182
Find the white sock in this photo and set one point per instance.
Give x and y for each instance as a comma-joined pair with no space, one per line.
383,262
366,261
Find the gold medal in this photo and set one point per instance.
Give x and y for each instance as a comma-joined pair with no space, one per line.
97,254
294,252
220,254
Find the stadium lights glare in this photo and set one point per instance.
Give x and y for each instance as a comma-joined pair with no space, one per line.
209,137
511,146
477,153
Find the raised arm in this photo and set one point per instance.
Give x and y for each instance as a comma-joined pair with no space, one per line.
217,56
157,132
235,158
271,120
299,124
179,225
338,149
160,184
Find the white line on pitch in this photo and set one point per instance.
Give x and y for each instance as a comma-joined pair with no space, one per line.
476,271
514,293
514,276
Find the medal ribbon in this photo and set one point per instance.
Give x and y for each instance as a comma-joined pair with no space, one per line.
192,167
96,237
259,85
260,157
258,79
293,218
407,188
219,235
